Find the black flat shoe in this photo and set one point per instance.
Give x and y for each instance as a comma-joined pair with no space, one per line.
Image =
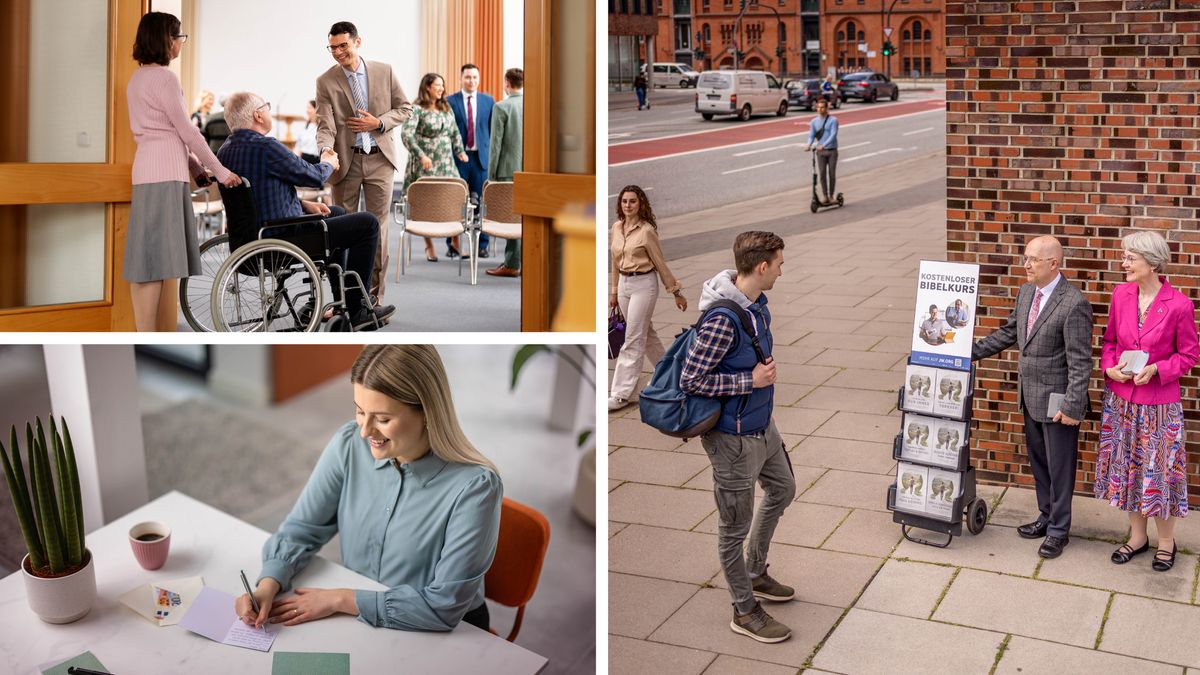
1034,530
1162,560
1127,553
1053,546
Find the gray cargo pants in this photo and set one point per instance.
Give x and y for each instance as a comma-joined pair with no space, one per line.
736,462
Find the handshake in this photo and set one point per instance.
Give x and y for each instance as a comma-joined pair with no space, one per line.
331,157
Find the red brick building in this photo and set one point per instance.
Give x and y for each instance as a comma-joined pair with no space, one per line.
852,36
1079,120
632,29
780,36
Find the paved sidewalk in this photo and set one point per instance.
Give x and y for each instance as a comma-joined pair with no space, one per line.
867,601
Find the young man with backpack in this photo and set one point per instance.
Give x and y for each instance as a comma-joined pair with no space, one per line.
727,362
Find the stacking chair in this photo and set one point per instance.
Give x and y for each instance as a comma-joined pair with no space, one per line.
520,550
496,217
433,207
210,211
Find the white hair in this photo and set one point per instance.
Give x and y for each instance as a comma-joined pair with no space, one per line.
239,110
1150,245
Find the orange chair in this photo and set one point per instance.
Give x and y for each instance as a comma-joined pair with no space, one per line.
520,550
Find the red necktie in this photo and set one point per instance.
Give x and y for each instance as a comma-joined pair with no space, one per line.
470,124
1033,313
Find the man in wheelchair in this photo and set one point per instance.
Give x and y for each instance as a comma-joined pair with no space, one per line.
273,173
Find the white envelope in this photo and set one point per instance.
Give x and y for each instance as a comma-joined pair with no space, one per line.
145,599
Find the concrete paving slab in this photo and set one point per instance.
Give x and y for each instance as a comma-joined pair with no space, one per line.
788,394
614,527
612,484
788,335
804,374
860,427
1169,637
1038,657
862,288
805,477
637,606
656,467
836,311
829,397
1021,606
906,588
1089,517
997,549
802,524
650,658
703,623
674,555
866,532
797,354
659,506
843,340
911,646
633,433
844,358
821,577
1092,566
800,420
894,345
732,665
905,312
876,380
850,489
845,454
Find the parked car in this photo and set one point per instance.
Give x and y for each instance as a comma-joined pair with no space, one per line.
806,93
674,75
867,86
739,92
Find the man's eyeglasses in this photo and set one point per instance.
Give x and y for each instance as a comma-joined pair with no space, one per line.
1029,259
181,37
266,105
338,47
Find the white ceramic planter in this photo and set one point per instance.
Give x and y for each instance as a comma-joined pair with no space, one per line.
585,487
62,599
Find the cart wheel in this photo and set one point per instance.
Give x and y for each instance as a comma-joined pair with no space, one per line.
976,516
815,205
841,200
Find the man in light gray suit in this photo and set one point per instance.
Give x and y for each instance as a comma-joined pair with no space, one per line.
505,155
1052,327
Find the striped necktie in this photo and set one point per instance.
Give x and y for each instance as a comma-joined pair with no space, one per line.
360,103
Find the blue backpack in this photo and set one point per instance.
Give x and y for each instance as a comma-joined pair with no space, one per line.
665,406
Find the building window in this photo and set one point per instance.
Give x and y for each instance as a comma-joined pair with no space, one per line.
916,50
704,5
848,56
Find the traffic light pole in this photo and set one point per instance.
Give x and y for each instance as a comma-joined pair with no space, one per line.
737,33
887,39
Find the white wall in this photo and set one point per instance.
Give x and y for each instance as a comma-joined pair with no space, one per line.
514,37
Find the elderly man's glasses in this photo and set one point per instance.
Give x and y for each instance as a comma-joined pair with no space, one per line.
266,105
1030,259
340,47
182,37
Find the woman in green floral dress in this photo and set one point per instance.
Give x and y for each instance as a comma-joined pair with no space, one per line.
432,139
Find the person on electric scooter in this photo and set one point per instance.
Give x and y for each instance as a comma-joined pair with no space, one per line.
822,138
829,91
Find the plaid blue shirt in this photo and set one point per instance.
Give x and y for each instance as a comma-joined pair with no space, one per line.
713,339
273,172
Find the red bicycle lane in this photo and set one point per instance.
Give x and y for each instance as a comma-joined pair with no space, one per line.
633,151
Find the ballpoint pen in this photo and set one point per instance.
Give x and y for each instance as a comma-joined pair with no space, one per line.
253,602
75,670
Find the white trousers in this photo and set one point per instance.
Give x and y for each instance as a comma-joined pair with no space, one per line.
636,297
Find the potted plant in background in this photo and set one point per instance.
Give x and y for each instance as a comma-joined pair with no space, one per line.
60,577
577,357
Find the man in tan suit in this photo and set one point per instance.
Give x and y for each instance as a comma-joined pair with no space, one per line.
358,105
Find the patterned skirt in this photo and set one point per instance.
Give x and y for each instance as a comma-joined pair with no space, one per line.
1141,465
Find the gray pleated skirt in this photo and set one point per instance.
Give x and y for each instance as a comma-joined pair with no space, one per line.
161,239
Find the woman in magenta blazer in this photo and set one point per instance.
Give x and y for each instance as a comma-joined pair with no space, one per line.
1141,466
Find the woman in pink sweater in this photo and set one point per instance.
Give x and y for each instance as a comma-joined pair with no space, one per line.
161,239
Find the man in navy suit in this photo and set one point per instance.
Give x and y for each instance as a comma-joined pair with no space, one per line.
473,113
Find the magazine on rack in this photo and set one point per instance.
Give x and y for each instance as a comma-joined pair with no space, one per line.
912,483
919,388
944,487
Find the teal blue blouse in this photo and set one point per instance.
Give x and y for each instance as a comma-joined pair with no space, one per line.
427,531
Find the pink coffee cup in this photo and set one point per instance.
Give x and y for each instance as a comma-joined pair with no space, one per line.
150,542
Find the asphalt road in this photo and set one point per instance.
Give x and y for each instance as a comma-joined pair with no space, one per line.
669,150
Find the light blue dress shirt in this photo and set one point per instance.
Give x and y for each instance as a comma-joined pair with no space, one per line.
427,531
360,76
829,127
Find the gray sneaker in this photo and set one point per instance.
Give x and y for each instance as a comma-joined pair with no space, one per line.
767,588
760,626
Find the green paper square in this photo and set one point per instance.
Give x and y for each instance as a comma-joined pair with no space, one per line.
310,663
84,660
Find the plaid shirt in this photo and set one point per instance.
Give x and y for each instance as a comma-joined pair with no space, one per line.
273,172
713,340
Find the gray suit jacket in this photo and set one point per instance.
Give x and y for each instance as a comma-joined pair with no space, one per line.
505,154
1056,356
335,103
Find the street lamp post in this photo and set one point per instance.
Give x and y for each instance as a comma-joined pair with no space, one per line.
737,32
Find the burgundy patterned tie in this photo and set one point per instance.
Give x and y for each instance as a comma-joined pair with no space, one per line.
470,124
1033,313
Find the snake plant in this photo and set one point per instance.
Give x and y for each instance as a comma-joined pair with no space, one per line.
48,505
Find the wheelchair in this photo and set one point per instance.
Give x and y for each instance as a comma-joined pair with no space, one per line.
271,281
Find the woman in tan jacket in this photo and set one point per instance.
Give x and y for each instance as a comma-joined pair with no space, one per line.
637,266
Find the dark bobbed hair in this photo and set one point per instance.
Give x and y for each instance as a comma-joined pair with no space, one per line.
425,98
155,33
645,213
344,27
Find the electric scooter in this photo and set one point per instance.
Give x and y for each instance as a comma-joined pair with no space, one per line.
817,204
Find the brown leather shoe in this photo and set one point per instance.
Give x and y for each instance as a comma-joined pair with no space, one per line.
503,271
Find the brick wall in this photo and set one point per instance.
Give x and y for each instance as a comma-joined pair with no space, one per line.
1079,120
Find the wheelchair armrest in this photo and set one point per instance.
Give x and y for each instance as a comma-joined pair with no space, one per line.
284,222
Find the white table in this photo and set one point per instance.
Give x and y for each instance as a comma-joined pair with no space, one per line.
206,542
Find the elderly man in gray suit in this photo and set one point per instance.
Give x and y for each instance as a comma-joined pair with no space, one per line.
1052,328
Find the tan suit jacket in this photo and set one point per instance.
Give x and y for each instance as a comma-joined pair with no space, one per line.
335,103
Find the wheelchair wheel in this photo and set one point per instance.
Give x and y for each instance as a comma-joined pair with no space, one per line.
195,293
264,286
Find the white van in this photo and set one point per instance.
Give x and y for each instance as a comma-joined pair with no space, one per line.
739,92
674,75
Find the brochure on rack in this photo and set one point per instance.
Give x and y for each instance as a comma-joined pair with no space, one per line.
944,325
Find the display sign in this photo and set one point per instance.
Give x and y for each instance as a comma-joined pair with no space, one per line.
944,321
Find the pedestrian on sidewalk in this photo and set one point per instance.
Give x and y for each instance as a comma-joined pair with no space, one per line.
639,88
822,139
637,266
744,446
1141,465
1052,326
